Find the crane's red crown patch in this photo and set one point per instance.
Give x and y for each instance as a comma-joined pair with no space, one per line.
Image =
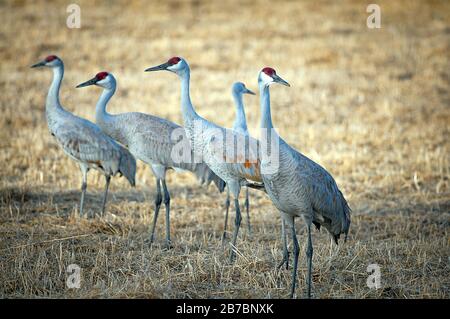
50,58
269,71
174,60
101,75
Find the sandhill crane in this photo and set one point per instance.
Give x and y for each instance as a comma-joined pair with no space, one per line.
240,125
150,139
207,142
82,140
299,187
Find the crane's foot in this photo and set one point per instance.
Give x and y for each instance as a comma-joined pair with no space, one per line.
89,215
151,240
232,255
168,245
293,284
81,212
224,237
148,242
284,261
95,215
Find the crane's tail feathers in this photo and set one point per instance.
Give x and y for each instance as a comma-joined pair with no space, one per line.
337,222
205,175
346,220
258,186
336,239
317,225
128,168
220,183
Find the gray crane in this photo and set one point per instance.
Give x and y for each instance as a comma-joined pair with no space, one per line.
151,139
299,187
213,144
82,140
239,125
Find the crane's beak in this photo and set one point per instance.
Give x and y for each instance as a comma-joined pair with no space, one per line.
277,79
247,91
160,67
39,64
87,83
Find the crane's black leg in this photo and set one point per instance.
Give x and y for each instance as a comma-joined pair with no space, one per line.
84,171
247,208
227,208
237,224
105,196
158,201
83,193
309,254
331,249
167,204
296,253
285,260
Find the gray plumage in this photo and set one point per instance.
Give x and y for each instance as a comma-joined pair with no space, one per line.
151,139
82,140
302,186
239,126
215,145
298,186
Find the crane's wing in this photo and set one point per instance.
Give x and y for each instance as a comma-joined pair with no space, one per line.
167,144
327,200
235,152
85,142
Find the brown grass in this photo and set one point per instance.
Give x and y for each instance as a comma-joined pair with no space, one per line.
372,106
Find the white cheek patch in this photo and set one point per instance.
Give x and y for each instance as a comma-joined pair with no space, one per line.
265,78
103,82
175,67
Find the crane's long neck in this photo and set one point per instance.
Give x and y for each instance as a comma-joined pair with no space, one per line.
266,117
101,115
240,120
187,108
269,137
52,104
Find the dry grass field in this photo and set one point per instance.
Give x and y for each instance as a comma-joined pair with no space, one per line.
370,105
